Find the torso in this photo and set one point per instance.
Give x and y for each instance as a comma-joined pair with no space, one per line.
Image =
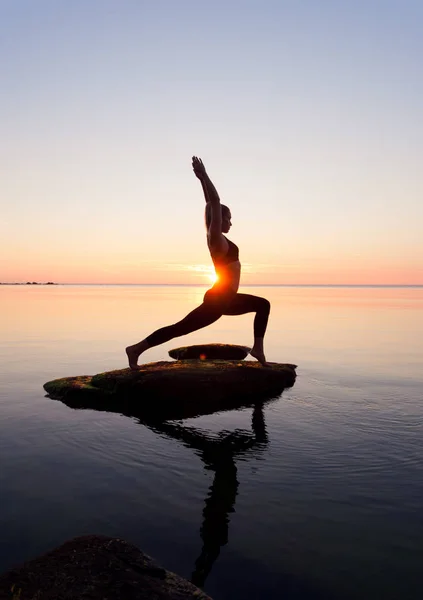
228,268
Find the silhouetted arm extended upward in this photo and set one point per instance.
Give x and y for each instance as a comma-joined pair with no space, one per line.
203,185
210,192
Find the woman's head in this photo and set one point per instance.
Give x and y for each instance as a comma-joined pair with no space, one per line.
226,217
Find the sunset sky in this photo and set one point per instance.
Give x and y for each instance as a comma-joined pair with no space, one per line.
308,116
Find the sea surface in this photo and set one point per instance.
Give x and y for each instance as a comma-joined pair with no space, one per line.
322,494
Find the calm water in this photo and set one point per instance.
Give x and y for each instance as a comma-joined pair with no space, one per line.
320,495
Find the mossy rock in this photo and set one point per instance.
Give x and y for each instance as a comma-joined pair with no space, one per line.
210,352
175,389
96,567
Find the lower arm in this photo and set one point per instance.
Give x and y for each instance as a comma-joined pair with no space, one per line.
210,191
206,195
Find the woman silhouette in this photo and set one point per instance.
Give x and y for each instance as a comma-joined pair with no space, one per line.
223,298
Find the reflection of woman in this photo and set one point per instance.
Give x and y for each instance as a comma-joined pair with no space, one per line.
219,453
223,298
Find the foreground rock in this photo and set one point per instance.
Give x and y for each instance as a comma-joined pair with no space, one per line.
96,567
210,352
175,389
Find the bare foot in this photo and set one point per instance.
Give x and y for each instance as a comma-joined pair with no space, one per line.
260,357
132,355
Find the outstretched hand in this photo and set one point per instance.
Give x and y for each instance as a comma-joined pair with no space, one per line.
198,167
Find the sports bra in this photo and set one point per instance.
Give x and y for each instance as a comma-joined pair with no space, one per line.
232,254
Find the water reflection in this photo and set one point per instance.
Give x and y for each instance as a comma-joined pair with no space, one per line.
219,454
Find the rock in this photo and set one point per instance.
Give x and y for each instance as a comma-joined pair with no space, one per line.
175,389
95,567
210,352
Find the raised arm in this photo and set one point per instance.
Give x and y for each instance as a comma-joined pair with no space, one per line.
203,185
210,192
213,207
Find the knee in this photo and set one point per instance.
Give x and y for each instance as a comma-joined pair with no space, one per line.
174,330
180,328
265,305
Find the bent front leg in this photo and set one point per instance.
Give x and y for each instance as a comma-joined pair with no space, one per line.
246,303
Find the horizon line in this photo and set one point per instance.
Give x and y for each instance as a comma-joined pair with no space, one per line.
208,285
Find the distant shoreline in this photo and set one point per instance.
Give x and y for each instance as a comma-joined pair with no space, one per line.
31,283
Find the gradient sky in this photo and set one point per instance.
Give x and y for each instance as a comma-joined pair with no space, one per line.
307,114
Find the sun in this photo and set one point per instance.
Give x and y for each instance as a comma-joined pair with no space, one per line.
213,277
